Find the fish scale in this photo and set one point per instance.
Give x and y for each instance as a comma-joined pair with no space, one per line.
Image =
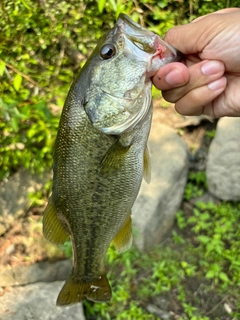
101,154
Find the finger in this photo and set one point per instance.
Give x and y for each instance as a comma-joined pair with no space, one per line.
187,38
170,76
222,11
227,103
193,102
201,74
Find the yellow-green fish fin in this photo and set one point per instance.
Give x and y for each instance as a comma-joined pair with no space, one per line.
52,228
115,157
146,165
123,239
75,291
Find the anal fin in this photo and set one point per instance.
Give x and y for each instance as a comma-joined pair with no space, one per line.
123,240
52,228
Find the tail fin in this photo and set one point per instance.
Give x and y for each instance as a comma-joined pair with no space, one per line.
75,291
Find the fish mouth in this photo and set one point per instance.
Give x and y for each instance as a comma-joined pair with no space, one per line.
149,51
149,42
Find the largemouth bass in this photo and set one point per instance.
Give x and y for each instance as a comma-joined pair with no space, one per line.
101,154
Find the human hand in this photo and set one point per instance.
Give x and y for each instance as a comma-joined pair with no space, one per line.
209,83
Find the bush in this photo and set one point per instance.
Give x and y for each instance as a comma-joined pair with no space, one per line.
42,45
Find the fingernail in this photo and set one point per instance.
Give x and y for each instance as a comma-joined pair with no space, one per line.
175,78
218,84
211,67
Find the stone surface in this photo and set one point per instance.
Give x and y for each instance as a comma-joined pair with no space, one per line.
192,121
38,272
162,314
14,195
157,203
37,302
223,164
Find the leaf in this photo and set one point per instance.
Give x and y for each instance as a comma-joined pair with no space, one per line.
223,276
2,67
204,239
101,4
210,274
14,122
26,5
17,82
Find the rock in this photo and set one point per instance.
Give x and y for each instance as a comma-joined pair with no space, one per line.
42,271
14,195
206,198
192,121
37,302
164,315
157,203
223,163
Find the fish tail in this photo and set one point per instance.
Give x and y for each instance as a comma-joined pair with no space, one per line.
75,290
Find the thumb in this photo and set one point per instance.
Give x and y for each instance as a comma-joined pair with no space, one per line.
193,37
171,76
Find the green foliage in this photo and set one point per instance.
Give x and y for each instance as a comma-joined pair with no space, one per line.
217,235
28,130
42,45
196,184
211,134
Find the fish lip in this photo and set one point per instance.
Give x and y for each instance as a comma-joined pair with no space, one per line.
149,48
162,49
126,20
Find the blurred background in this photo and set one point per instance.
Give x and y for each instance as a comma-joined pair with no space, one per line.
43,43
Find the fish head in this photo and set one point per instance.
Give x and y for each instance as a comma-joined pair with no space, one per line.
118,96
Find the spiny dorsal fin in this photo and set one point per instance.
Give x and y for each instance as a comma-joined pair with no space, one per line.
123,239
75,290
114,157
52,228
146,165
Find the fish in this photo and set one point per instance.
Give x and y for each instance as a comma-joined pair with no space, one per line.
100,154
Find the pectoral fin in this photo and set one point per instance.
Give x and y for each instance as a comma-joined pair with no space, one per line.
123,239
115,157
146,165
52,228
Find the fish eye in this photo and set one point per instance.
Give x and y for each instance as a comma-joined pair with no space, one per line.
108,51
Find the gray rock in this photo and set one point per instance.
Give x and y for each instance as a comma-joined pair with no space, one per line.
157,203
37,302
192,121
38,272
164,315
14,200
223,163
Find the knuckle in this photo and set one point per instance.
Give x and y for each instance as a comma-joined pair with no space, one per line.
172,95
